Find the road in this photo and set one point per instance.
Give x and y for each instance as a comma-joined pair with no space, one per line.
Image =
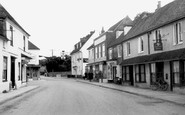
62,96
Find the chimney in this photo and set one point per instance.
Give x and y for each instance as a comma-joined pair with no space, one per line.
158,5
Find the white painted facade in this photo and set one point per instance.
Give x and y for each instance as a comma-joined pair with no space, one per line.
78,65
13,52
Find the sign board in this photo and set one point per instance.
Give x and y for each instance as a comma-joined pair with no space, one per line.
158,46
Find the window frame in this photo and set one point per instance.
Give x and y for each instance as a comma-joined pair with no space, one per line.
5,69
139,73
110,53
177,33
140,45
128,48
11,36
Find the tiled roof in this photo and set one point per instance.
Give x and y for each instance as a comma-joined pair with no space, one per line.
31,46
83,41
165,15
146,22
4,14
124,22
120,26
90,47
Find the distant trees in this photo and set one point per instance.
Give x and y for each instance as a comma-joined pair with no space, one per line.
57,64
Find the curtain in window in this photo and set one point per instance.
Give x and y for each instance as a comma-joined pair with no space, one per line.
176,72
137,73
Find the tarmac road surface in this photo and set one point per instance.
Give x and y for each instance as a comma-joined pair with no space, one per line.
62,96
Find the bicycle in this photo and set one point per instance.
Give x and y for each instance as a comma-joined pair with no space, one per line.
160,84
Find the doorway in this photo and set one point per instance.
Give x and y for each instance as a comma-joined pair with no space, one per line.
13,71
131,75
160,70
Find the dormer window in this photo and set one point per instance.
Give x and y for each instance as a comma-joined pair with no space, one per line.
127,29
118,33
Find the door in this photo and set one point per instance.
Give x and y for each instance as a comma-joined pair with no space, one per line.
13,72
131,75
114,71
160,70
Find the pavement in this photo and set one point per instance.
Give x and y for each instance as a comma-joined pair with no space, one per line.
171,97
4,97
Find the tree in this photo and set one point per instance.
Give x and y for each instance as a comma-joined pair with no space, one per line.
56,64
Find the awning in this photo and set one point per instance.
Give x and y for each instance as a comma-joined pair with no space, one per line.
158,57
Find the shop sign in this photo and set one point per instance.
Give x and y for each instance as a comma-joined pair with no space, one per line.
158,46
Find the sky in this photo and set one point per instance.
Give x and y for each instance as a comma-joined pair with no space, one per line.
57,25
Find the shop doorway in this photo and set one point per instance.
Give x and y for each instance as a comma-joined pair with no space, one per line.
160,70
13,71
131,75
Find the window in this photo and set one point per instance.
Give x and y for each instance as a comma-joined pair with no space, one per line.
96,52
119,50
125,73
19,73
177,33
103,50
115,54
4,69
110,53
100,54
11,36
24,43
4,44
140,73
153,72
128,48
176,72
158,36
140,44
92,53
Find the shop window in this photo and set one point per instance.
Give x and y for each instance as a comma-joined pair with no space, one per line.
4,69
140,75
178,73
125,73
153,72
19,73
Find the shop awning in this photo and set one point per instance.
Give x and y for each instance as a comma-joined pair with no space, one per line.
158,57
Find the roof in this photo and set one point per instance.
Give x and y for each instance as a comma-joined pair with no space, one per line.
161,17
124,22
163,56
146,22
120,26
4,14
90,47
31,46
83,41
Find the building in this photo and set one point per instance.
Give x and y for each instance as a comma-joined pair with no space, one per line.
33,67
14,52
79,56
154,48
114,55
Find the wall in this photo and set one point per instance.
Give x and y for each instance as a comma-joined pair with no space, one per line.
134,47
167,38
